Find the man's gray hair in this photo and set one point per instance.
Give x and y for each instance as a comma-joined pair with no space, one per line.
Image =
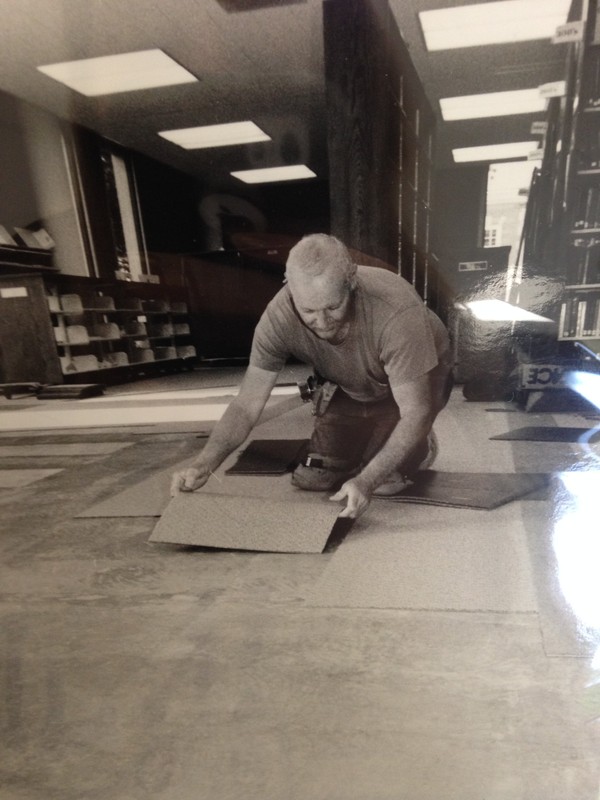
318,252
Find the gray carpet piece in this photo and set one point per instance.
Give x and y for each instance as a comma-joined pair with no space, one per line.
236,522
150,497
405,558
72,449
251,512
532,433
17,478
485,490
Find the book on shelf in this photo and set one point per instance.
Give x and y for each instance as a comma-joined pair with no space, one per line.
6,238
587,213
579,317
26,237
593,93
584,265
588,267
590,152
589,317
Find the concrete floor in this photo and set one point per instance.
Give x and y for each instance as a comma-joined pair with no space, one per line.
132,671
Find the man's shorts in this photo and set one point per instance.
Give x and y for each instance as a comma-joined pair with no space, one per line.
349,433
345,437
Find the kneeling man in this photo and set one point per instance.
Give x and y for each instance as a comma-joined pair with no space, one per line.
383,370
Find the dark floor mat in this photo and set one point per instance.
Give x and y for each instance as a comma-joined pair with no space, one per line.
269,457
551,434
482,490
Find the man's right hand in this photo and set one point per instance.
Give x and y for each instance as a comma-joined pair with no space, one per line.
190,479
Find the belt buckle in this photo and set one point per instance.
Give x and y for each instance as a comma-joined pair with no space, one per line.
313,462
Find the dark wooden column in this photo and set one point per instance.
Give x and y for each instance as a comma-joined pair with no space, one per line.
362,88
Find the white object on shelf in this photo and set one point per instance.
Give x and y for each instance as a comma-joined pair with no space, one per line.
86,363
118,358
77,334
71,303
67,364
165,352
102,303
164,329
186,351
106,330
135,328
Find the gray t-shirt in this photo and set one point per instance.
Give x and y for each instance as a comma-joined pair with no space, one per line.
392,338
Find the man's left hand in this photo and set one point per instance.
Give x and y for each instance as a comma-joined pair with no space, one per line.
357,496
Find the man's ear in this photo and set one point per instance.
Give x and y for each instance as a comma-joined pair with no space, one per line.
351,282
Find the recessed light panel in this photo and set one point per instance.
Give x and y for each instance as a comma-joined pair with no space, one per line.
124,72
492,104
272,174
216,135
495,152
499,311
492,23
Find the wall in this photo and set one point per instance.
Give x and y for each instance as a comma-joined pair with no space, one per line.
458,219
18,202
35,182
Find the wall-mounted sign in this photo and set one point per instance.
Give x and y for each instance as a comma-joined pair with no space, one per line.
554,89
472,266
542,376
539,128
569,32
13,291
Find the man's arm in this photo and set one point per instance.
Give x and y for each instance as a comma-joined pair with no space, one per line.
231,431
414,398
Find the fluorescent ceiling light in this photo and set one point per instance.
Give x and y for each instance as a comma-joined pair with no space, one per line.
216,135
492,104
125,72
272,174
494,152
499,311
492,23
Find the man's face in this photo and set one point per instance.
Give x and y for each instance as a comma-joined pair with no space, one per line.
323,304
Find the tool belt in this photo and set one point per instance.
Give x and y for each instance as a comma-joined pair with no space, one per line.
319,462
318,391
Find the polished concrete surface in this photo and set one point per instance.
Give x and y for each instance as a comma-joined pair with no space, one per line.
135,671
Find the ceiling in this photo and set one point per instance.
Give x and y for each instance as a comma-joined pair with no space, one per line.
263,63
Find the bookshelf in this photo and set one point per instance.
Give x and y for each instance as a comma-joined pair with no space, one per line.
62,329
579,315
95,332
416,262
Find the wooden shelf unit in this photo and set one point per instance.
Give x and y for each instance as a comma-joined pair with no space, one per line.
102,332
579,314
64,329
